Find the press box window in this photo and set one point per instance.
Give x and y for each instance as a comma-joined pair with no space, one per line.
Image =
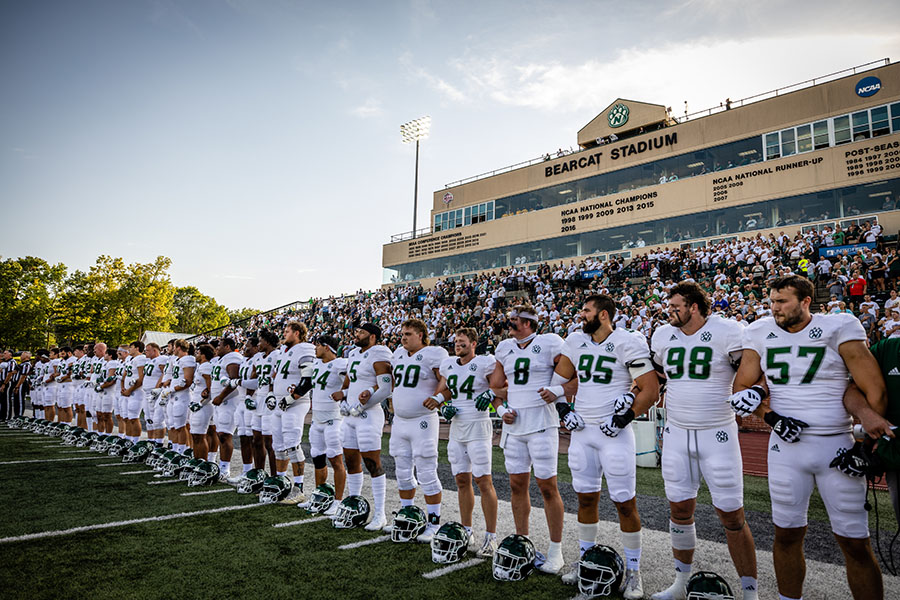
861,126
772,146
880,123
841,130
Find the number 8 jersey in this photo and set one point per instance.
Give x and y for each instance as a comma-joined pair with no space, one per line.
805,373
528,369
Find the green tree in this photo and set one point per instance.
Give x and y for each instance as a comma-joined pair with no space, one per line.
241,314
28,290
195,312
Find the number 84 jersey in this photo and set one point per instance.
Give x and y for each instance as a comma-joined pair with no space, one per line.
805,373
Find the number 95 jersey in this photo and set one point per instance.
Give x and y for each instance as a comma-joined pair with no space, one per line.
528,369
699,372
805,373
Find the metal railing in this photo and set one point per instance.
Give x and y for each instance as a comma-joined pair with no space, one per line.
408,235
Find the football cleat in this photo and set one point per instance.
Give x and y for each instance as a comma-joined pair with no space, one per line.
449,543
600,571
514,558
488,546
378,523
633,588
353,511
294,497
706,585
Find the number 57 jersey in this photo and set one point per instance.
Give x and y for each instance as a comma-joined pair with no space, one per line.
699,372
805,373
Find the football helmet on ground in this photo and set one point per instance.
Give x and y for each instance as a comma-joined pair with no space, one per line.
206,473
600,571
353,511
514,558
449,543
706,585
275,489
251,482
409,523
321,499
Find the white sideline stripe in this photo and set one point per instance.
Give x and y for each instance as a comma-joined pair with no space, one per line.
208,492
51,446
300,522
137,472
77,451
46,460
118,464
377,540
463,565
176,480
59,532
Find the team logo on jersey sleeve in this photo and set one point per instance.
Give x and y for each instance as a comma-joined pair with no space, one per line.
815,333
610,347
721,437
705,336
536,349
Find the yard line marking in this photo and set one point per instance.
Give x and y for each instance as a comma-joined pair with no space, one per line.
60,532
46,460
118,464
377,540
463,565
300,522
137,472
208,492
176,480
76,451
51,446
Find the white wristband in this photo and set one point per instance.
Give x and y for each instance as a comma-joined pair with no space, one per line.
371,390
502,410
556,390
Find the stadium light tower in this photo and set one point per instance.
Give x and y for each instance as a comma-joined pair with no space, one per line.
415,131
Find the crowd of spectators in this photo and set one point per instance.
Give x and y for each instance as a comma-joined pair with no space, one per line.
736,273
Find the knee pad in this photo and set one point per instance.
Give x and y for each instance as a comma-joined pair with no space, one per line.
320,462
296,454
403,466
426,467
281,455
684,537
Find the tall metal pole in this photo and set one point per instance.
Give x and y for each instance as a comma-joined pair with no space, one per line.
416,191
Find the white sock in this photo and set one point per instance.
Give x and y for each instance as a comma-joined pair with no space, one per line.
750,587
587,535
378,486
225,467
354,483
281,473
682,573
247,467
434,509
554,550
407,501
632,542
298,481
468,529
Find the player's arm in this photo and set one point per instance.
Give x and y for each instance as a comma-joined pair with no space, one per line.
499,386
749,387
869,405
646,391
110,379
441,392
383,384
340,394
188,378
230,382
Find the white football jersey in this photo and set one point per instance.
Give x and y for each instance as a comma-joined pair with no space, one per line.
185,362
805,373
246,370
52,367
120,371
699,372
414,379
528,369
467,382
68,367
98,374
264,367
328,377
152,371
131,370
83,368
361,370
220,370
114,365
287,366
602,369
169,367
199,383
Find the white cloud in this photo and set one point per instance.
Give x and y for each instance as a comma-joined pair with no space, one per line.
301,271
440,85
370,108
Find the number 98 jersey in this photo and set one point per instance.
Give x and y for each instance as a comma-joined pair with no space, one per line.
699,372
528,369
805,373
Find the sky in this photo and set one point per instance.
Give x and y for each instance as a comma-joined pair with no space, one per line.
256,143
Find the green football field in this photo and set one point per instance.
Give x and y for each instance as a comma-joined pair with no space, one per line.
138,540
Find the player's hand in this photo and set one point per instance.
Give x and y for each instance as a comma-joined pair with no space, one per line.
787,428
876,426
547,396
430,403
126,393
851,461
217,400
623,403
570,419
204,394
448,411
345,408
364,396
250,403
357,410
338,396
484,400
745,402
291,388
507,415
195,406
271,401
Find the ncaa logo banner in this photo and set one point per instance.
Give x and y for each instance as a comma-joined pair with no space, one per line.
868,86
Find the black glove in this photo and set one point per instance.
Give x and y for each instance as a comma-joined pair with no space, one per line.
851,461
787,428
621,420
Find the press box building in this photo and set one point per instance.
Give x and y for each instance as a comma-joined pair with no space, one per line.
814,154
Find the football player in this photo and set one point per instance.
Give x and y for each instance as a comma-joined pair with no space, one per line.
615,383
182,377
37,393
51,387
289,399
105,388
82,368
133,390
414,430
224,393
154,415
121,403
201,410
800,362
530,438
328,376
698,354
263,446
20,383
7,368
243,414
66,386
97,376
464,378
367,384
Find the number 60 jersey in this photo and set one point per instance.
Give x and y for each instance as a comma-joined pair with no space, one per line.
805,373
699,371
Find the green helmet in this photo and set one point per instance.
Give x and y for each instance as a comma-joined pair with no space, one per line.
84,439
409,523
321,499
187,467
706,585
275,489
206,473
173,466
165,461
449,543
119,447
189,452
101,443
251,482
72,435
353,511
514,558
600,571
138,452
156,453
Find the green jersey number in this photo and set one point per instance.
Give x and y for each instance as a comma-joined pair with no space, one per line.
521,370
410,379
698,367
784,368
467,387
351,372
589,370
320,380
